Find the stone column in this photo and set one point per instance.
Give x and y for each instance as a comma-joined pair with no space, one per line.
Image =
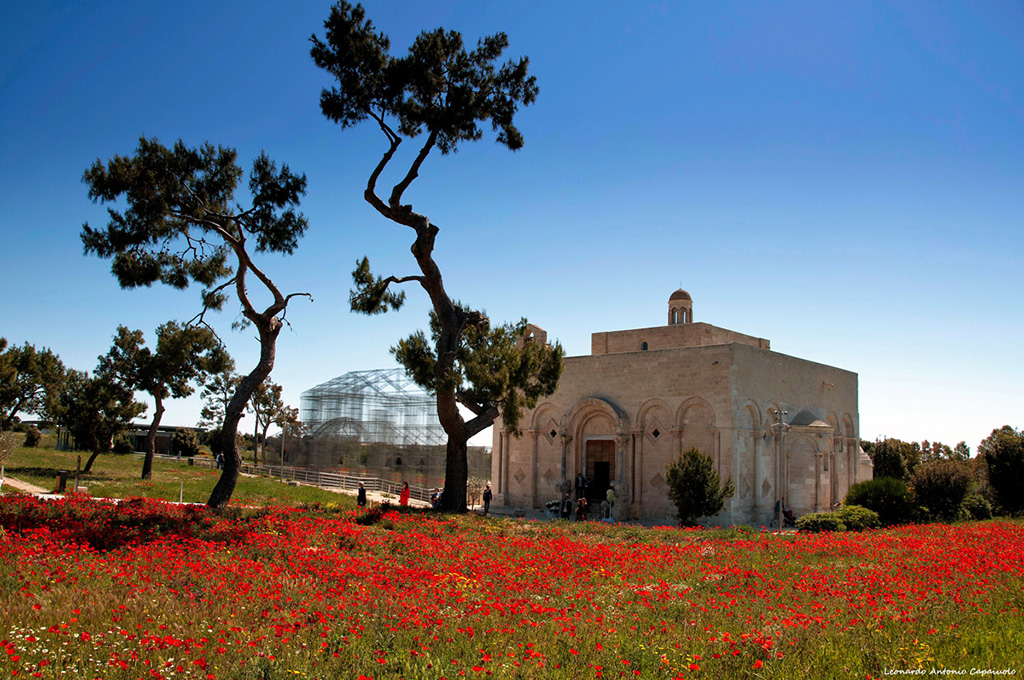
566,440
623,477
784,491
505,463
833,479
533,467
817,480
500,481
755,437
638,473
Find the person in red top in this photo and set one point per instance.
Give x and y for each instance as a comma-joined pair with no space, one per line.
403,497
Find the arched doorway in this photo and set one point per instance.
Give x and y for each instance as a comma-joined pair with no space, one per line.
599,466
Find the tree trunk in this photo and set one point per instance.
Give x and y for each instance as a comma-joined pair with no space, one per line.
97,449
452,320
456,475
225,487
147,462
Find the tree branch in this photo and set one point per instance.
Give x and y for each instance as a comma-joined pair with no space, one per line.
396,193
371,185
481,422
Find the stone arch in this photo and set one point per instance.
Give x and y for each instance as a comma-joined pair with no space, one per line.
801,474
751,417
746,459
848,426
696,421
595,424
655,413
545,419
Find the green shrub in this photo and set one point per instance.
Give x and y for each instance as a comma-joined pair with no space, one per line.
32,437
123,445
976,506
820,521
858,518
695,488
888,497
940,486
185,442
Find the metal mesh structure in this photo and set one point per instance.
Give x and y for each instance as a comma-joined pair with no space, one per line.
383,406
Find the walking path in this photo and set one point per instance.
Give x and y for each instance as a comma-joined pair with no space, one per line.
24,487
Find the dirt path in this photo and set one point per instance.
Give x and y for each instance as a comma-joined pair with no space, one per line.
24,486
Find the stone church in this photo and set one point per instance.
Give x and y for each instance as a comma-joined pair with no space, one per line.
644,396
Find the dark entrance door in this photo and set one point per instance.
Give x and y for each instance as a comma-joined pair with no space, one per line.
600,469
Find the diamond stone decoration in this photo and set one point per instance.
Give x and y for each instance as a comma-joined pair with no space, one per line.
766,487
550,477
519,476
658,482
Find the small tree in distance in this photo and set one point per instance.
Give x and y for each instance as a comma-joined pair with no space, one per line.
695,488
96,410
1003,453
182,225
183,355
445,92
31,380
266,405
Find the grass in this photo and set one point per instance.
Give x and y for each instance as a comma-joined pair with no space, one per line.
151,590
286,593
114,476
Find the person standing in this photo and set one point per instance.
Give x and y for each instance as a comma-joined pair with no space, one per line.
566,507
361,496
403,497
581,486
487,499
581,509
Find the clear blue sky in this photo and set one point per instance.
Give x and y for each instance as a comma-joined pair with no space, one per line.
845,179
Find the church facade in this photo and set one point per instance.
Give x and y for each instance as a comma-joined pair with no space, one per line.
776,425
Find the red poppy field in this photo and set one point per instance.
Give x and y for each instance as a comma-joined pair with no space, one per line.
148,590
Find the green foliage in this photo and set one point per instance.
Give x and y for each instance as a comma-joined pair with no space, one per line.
181,222
817,522
858,518
494,365
123,445
268,408
940,486
185,442
184,354
1003,453
975,506
891,458
961,451
846,518
218,388
695,487
887,496
32,437
31,381
96,410
438,86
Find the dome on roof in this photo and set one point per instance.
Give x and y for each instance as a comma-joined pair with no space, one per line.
679,295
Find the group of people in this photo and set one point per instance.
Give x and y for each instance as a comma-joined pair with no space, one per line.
581,507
